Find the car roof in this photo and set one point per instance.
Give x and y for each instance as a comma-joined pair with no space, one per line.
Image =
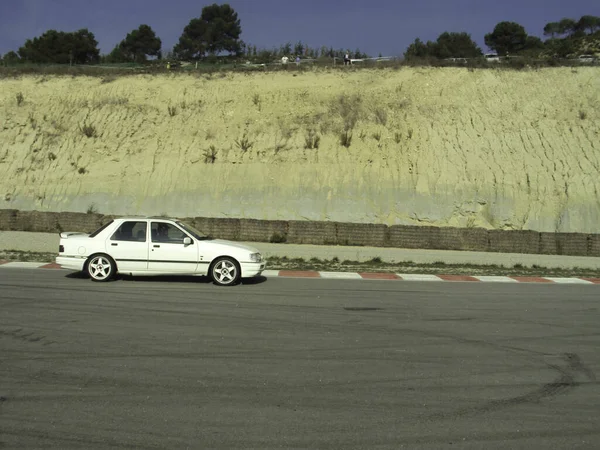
146,218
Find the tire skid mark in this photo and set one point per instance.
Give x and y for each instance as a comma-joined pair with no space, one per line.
20,334
570,376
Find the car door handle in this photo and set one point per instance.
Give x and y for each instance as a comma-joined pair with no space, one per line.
114,244
156,246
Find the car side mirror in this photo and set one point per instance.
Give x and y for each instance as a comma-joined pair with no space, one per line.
187,241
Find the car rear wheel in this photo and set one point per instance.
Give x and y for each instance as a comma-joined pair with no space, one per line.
225,272
101,268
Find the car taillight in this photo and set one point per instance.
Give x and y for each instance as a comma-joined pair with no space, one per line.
61,248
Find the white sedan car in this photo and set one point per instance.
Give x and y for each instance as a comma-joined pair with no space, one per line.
156,246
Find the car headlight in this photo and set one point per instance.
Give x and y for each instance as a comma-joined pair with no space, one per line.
255,257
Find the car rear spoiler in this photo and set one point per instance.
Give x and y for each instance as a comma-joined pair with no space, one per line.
66,234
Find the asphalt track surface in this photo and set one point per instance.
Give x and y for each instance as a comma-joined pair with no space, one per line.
296,363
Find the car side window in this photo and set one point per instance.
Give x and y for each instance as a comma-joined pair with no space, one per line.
130,231
166,232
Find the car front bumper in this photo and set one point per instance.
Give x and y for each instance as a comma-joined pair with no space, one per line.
252,269
70,262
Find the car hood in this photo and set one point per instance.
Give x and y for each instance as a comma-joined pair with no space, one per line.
237,245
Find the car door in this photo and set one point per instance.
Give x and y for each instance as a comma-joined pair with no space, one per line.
168,253
128,246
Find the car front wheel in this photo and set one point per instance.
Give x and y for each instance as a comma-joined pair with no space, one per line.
101,268
225,272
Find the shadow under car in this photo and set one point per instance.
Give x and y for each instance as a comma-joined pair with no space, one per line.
168,278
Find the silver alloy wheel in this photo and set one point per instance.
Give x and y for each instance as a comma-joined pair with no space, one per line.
101,268
225,272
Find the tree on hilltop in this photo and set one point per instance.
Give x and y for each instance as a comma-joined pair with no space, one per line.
11,58
217,30
534,47
58,47
591,23
552,29
418,49
570,28
507,37
561,48
571,31
137,46
286,49
567,26
447,45
299,48
456,45
533,43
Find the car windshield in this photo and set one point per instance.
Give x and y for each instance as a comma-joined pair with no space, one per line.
194,232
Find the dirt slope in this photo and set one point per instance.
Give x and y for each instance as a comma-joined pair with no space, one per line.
447,147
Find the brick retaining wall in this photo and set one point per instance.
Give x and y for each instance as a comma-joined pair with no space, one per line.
335,233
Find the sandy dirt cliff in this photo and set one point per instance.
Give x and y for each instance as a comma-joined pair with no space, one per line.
447,147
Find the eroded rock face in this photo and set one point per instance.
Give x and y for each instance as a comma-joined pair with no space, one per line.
446,147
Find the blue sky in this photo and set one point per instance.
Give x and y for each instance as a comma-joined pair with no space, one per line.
373,26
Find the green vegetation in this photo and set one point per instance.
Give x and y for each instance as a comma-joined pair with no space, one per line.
22,256
436,268
137,46
88,130
92,209
507,38
346,138
567,38
278,238
58,47
312,140
210,155
212,42
374,265
244,143
448,45
217,29
349,108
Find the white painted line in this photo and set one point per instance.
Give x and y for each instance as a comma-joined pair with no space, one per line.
569,280
341,275
496,279
270,273
417,277
23,265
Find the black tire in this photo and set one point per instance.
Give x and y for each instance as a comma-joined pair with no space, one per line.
101,268
225,271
